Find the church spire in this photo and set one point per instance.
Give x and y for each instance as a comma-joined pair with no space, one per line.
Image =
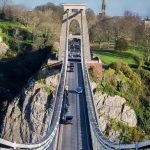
104,8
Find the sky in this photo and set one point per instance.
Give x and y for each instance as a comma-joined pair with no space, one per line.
113,7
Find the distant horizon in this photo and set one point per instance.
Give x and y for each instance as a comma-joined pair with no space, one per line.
113,7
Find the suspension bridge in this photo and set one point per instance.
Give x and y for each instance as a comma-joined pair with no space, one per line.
85,132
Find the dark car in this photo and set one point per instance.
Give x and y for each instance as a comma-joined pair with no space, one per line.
67,119
71,64
66,108
71,69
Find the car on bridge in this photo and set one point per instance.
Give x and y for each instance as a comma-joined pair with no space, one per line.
67,119
71,64
71,69
79,90
66,108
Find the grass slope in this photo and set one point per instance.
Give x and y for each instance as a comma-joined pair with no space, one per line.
110,56
18,37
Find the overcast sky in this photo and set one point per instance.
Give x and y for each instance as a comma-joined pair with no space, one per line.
114,7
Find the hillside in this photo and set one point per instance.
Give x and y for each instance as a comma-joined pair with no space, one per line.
28,116
20,59
26,42
18,38
132,84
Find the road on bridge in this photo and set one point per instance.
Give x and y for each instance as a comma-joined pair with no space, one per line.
75,136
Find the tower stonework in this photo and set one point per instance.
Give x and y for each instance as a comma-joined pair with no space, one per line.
103,8
74,12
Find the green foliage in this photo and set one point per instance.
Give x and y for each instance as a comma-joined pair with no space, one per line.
24,39
144,74
19,46
50,6
121,44
139,61
110,56
4,23
132,57
15,73
133,85
42,38
74,27
93,73
41,81
49,89
16,36
8,54
128,134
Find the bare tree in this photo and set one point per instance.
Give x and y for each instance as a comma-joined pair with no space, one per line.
91,17
3,5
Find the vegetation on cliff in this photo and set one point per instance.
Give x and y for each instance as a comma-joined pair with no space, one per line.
133,85
29,36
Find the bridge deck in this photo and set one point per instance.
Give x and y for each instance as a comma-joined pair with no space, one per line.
77,135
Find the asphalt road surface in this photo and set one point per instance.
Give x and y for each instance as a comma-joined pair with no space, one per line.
75,136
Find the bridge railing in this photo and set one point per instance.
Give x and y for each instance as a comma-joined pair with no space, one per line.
50,140
99,141
54,122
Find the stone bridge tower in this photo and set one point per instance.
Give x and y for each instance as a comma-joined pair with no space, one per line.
75,12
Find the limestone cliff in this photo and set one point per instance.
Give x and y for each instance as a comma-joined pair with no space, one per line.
28,117
3,48
113,108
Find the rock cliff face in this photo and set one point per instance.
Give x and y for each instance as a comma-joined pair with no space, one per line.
28,117
113,108
3,48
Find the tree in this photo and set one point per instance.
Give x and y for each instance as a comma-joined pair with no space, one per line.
96,34
121,44
3,5
91,17
147,47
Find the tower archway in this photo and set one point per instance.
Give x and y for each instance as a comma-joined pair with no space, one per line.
74,28
76,14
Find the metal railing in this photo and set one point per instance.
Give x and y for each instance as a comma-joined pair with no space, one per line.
99,141
49,140
54,124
